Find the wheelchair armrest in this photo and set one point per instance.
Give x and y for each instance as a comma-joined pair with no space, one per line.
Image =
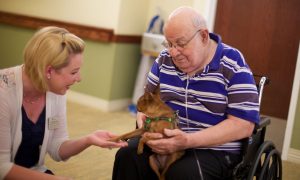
264,121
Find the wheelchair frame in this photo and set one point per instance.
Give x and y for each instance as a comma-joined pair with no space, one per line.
260,158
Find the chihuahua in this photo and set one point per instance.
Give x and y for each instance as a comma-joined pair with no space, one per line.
158,117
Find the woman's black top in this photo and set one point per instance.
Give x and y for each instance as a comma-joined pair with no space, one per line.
32,140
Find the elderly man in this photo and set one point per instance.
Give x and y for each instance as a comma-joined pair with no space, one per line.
213,89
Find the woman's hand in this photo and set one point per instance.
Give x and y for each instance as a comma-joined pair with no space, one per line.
176,140
101,138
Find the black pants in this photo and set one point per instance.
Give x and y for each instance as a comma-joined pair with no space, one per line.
49,172
195,164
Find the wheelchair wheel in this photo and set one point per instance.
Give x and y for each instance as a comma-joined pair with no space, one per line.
267,164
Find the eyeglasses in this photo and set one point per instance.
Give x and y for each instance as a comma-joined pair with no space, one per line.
180,45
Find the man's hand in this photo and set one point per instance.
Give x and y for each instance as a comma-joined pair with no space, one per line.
176,140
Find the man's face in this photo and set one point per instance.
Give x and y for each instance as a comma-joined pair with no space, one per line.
186,48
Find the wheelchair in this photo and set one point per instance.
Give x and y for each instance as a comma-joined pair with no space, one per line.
260,159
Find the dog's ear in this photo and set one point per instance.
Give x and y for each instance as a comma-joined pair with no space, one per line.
153,92
157,90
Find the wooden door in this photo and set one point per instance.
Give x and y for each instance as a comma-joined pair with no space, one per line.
267,32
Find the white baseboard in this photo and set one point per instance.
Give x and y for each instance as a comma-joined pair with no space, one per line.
94,102
294,155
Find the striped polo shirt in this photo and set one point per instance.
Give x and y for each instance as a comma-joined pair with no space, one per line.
225,86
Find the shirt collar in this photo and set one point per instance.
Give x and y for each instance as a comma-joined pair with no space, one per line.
214,64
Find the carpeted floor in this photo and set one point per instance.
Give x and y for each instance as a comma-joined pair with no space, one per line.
93,163
97,163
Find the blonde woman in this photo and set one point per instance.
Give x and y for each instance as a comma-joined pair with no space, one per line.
33,106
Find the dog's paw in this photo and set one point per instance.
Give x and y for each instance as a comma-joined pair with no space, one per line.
140,151
115,139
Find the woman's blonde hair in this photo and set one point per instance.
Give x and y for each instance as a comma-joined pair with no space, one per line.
49,46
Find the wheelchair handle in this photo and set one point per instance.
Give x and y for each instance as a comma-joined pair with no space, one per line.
264,121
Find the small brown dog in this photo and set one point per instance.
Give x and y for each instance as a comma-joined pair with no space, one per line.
159,117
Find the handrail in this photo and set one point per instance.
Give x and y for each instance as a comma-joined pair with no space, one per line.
83,31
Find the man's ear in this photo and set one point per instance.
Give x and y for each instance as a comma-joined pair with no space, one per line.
204,35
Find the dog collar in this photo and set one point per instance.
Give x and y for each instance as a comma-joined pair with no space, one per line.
173,120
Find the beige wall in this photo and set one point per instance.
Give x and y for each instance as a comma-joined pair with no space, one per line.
165,7
98,13
130,17
122,16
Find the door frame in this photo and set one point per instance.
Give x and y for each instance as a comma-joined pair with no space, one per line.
210,14
292,112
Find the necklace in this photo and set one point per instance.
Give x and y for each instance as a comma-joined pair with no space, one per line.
31,101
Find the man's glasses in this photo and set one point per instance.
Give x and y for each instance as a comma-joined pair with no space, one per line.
179,46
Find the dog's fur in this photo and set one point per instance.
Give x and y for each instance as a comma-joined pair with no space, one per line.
153,107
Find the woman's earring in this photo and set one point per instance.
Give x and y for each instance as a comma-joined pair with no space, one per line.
48,76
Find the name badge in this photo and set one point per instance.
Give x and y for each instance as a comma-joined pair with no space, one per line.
53,123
